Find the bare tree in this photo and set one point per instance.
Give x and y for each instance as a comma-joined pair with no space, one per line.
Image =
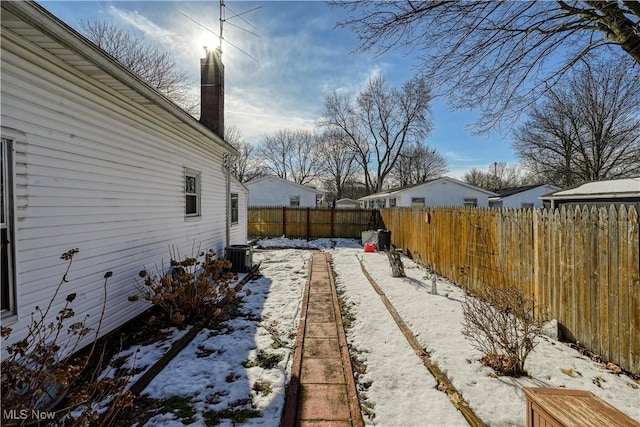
498,176
587,130
291,154
379,123
154,66
500,56
338,161
418,163
245,166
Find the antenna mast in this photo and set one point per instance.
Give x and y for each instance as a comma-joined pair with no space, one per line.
222,16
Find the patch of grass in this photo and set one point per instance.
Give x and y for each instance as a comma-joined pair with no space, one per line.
216,397
264,360
346,310
237,416
231,378
180,406
262,388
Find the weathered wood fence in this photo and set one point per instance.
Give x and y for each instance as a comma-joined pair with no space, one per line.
308,223
582,265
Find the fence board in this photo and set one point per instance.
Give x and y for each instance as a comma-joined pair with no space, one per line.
581,265
307,223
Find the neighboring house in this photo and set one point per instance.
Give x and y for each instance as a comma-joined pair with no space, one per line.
347,203
275,191
443,191
598,193
94,158
527,197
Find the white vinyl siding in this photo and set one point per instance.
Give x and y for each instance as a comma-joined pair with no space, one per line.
98,171
272,191
238,231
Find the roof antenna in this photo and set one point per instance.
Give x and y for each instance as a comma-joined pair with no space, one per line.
222,17
223,20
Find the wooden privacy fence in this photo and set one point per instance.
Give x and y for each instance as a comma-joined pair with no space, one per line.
582,265
308,223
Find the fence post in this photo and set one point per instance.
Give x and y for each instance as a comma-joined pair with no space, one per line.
284,221
536,262
308,223
333,231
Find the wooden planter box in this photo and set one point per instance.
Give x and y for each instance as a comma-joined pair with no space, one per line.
558,407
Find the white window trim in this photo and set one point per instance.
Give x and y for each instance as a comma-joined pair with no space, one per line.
291,197
237,209
198,193
470,202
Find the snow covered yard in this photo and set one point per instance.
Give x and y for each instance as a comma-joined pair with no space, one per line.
237,375
402,391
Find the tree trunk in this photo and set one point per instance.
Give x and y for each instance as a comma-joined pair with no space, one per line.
397,268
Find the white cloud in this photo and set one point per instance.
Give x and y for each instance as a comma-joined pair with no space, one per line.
143,24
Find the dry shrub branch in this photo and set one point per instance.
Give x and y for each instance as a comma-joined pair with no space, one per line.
500,323
40,369
194,287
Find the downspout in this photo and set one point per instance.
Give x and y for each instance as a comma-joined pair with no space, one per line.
227,212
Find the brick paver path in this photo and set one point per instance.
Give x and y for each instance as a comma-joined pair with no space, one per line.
322,391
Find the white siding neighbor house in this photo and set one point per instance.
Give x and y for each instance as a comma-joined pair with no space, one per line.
527,197
275,191
442,191
93,158
599,193
347,203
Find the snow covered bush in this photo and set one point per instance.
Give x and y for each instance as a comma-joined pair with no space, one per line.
499,322
192,288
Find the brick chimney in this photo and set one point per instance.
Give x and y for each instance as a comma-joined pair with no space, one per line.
212,91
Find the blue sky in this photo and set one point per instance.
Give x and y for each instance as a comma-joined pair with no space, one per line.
301,58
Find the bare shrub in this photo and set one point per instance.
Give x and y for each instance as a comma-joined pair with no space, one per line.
40,369
193,287
499,322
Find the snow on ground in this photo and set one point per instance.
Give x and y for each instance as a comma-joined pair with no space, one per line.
403,395
210,370
400,390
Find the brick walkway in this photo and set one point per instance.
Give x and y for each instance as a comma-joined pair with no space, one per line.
322,391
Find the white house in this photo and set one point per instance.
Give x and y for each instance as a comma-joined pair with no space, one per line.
272,190
527,197
599,193
442,191
93,158
347,203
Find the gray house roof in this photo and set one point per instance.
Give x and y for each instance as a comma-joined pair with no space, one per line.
615,188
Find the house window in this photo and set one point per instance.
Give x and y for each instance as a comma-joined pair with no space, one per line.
417,202
470,202
6,243
392,202
527,206
294,200
191,193
234,208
